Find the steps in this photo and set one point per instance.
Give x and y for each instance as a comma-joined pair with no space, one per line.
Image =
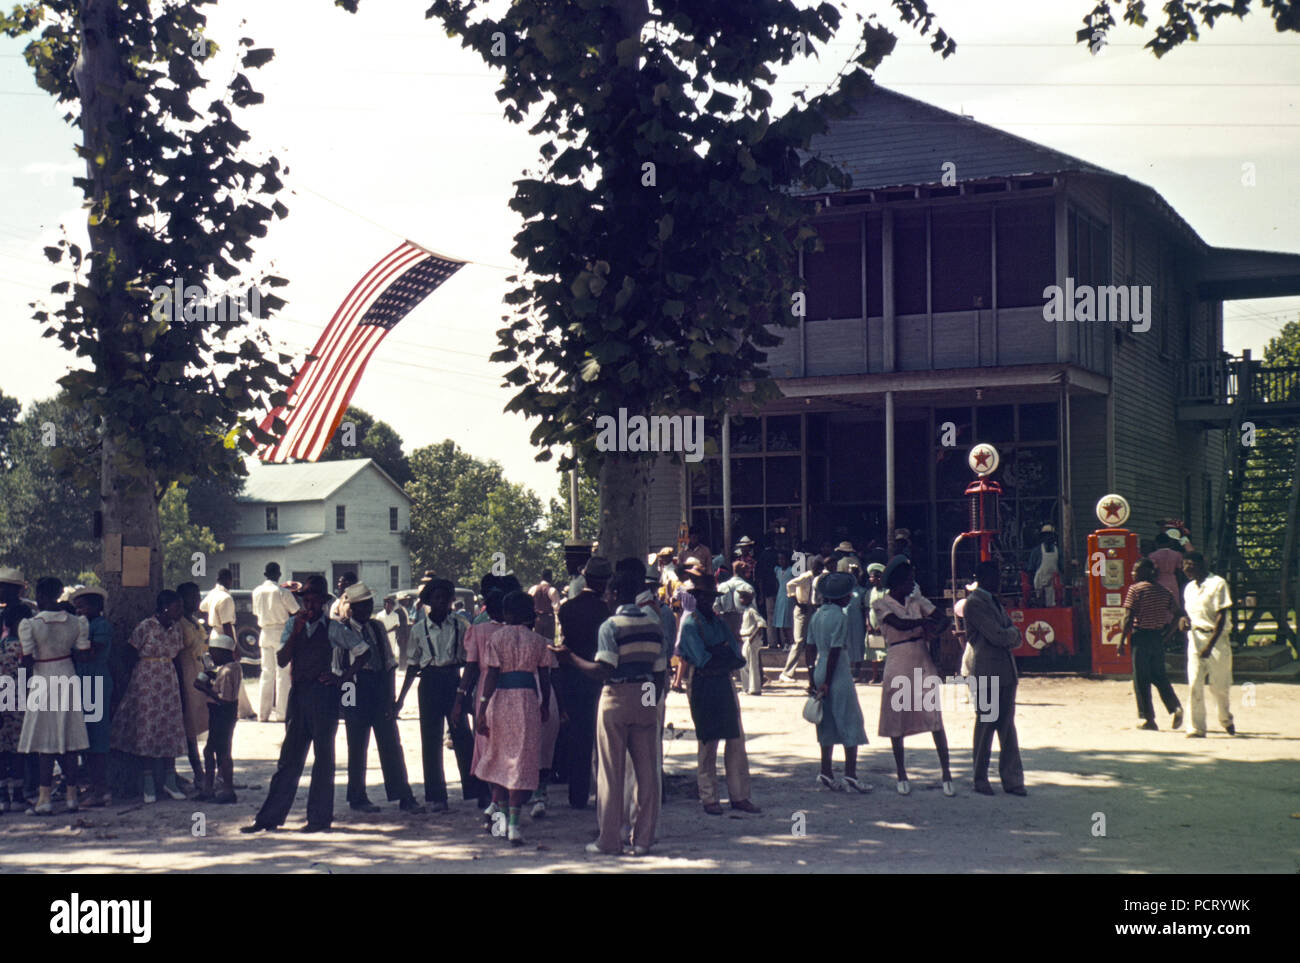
1254,663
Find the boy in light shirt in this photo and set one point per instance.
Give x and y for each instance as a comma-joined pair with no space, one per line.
751,628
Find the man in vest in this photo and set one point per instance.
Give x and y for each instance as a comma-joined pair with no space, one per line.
371,706
309,644
273,607
631,662
435,653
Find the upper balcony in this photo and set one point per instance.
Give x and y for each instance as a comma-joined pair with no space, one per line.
1210,392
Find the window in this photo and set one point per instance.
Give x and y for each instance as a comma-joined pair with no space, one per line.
1026,253
394,574
272,518
340,517
234,574
392,519
1089,261
833,277
909,263
962,260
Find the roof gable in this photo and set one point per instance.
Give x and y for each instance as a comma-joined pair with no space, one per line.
891,140
304,481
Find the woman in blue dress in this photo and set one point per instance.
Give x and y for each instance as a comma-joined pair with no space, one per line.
782,613
832,681
93,665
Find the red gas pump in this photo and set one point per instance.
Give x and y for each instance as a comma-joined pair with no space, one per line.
1112,552
1040,628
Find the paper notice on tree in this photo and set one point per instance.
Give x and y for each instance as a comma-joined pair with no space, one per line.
135,566
113,552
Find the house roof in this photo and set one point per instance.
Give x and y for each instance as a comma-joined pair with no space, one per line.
1232,273
892,140
304,481
269,540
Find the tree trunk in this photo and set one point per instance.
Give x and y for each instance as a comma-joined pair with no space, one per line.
131,513
130,505
623,528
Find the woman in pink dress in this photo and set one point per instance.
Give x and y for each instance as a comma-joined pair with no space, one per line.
471,685
516,662
911,689
149,722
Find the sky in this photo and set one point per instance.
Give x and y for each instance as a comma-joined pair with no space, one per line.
391,130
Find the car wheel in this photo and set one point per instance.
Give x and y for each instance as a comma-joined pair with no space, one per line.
248,649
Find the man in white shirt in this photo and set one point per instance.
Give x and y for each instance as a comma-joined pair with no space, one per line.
1209,656
803,590
273,606
397,624
218,607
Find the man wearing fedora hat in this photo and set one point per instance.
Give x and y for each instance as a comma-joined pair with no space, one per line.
309,645
580,620
373,709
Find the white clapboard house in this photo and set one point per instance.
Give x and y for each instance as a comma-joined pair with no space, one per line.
321,518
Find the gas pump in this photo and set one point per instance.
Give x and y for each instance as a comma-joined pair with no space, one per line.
1112,552
1041,629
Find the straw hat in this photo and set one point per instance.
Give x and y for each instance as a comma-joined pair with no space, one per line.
12,576
357,592
844,546
83,590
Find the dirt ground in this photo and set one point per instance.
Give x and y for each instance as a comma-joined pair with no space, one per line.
1169,803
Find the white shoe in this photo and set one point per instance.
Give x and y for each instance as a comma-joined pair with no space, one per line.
593,849
150,797
515,835
827,782
539,809
904,787
857,785
947,788
174,793
787,678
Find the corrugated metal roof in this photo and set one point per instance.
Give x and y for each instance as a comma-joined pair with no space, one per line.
270,539
893,140
302,481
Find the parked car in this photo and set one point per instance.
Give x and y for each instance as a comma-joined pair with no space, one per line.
247,633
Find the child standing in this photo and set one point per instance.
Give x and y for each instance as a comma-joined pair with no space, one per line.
222,690
751,636
517,661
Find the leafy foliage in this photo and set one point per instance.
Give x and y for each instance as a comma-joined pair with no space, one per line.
1182,19
374,439
173,197
181,538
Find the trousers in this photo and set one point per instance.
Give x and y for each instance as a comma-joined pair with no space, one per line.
735,759
437,695
312,723
273,684
751,673
580,697
800,637
1149,670
1010,769
626,726
373,712
1216,670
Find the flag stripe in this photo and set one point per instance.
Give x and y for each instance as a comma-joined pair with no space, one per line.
360,349
317,380
317,444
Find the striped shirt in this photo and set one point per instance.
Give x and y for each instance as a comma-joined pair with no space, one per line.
632,641
1150,604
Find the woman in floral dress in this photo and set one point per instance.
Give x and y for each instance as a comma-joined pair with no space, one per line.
471,684
516,662
149,722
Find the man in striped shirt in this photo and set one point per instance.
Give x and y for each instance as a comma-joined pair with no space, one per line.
631,662
1148,614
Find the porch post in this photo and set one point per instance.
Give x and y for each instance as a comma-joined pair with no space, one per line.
726,489
1067,505
889,469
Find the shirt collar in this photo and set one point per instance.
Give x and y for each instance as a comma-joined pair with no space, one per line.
632,609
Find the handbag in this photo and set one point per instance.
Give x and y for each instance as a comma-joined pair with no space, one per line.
812,710
946,653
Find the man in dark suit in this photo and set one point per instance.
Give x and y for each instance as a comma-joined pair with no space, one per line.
993,636
580,620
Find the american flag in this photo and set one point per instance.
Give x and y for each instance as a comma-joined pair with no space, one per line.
320,394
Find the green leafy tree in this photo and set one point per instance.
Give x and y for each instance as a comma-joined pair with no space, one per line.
464,511
369,438
9,411
181,538
46,518
1183,19
174,198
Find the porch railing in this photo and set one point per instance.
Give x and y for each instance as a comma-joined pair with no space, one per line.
1223,381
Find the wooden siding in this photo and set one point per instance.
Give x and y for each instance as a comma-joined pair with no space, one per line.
1088,467
664,502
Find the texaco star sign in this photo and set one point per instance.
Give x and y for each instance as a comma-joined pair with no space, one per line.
1039,634
983,459
1112,510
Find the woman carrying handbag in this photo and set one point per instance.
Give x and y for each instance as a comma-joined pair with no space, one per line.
830,672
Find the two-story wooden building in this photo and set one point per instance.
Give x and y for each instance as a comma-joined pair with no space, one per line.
320,518
926,310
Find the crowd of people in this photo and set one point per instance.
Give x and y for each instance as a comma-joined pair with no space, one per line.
545,685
